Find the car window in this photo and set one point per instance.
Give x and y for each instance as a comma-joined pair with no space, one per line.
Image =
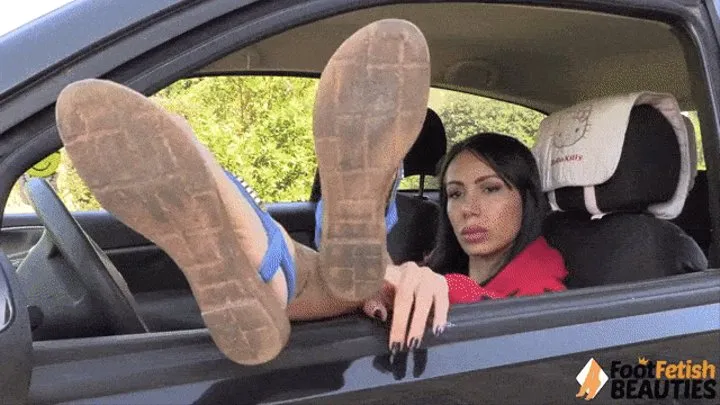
698,138
258,127
464,115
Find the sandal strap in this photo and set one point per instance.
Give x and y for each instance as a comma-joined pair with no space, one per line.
277,255
391,215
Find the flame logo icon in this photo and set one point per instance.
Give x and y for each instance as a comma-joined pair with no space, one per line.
591,379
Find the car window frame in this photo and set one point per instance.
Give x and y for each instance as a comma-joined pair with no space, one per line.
608,303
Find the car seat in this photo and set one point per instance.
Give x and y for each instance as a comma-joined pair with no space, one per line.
615,171
413,236
695,216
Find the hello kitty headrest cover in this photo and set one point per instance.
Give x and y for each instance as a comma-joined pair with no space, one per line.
579,150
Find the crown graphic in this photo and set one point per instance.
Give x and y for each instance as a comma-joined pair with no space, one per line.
643,361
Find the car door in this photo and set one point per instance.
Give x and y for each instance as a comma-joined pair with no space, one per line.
15,338
525,350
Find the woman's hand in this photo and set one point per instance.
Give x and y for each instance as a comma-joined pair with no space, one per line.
407,288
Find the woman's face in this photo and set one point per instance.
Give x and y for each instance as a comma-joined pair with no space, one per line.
484,212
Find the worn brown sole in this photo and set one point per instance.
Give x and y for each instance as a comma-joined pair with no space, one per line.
370,107
150,172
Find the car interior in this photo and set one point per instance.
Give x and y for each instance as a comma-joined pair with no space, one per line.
543,58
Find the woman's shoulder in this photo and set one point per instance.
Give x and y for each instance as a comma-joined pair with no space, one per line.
539,249
541,257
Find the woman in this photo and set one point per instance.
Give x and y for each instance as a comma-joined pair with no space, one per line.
488,242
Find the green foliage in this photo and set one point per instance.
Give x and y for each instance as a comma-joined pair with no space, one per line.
465,115
260,128
71,189
696,124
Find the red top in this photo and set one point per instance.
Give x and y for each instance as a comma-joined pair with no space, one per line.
536,270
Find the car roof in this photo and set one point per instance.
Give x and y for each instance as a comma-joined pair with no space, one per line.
541,57
58,35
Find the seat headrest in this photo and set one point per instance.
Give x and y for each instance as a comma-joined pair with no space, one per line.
627,153
428,149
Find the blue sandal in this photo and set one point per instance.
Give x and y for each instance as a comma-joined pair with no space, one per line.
278,254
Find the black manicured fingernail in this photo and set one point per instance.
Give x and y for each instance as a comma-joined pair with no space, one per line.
438,331
411,344
420,357
416,343
377,314
394,348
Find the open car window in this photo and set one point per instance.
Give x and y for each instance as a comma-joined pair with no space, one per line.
464,115
258,127
693,115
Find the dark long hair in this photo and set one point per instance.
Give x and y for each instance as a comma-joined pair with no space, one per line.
516,166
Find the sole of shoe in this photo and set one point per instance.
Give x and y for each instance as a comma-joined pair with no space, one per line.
370,107
148,170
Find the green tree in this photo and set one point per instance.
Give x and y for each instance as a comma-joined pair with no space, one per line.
464,115
258,128
698,139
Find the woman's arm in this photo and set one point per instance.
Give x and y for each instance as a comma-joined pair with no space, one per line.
408,288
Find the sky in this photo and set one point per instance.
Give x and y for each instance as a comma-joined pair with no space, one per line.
16,13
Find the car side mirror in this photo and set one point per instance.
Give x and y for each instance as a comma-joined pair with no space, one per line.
15,337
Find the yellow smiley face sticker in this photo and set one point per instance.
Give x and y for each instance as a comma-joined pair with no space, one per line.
46,167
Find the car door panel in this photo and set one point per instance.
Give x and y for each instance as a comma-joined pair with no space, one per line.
15,242
528,383
524,383
342,358
15,338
